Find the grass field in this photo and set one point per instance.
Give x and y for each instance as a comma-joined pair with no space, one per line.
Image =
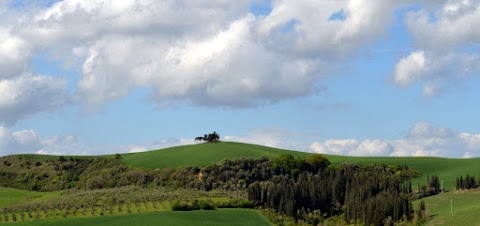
171,218
10,196
204,154
466,208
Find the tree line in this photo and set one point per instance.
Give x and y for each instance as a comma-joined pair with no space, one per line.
467,182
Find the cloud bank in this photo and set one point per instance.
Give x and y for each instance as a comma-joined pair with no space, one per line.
217,53
423,139
29,142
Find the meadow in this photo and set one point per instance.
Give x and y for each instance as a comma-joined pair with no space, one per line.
208,153
466,208
200,217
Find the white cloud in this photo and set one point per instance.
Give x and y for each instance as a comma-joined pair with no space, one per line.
314,33
25,141
13,54
409,68
424,139
352,147
211,53
29,142
28,94
446,41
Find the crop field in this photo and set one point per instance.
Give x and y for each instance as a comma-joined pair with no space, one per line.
11,196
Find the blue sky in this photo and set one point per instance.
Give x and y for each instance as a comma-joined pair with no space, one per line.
348,77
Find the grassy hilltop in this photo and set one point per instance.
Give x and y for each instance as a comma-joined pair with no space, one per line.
203,154
209,153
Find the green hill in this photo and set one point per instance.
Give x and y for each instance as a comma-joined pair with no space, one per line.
203,154
209,153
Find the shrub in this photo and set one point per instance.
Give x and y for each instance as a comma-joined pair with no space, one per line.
206,205
184,206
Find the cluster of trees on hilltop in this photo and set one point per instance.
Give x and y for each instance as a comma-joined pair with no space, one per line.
210,138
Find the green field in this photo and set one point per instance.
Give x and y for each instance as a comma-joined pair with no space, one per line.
11,196
208,153
466,208
171,218
202,154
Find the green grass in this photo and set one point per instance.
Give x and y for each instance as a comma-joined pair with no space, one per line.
466,208
11,196
446,169
209,153
202,154
171,218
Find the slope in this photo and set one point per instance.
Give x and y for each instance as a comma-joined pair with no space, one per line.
209,153
202,154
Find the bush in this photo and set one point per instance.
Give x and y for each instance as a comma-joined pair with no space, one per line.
236,203
206,205
245,204
184,206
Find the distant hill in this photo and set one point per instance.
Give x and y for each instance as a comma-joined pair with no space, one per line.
203,154
209,153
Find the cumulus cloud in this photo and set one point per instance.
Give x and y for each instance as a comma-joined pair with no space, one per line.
25,141
446,44
352,147
410,68
29,142
14,54
307,27
28,94
209,53
423,139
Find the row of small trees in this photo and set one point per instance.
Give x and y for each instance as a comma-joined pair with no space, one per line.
467,182
102,202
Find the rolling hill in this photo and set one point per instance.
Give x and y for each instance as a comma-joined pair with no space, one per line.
203,154
209,153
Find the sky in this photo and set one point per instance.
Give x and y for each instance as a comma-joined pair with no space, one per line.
345,77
